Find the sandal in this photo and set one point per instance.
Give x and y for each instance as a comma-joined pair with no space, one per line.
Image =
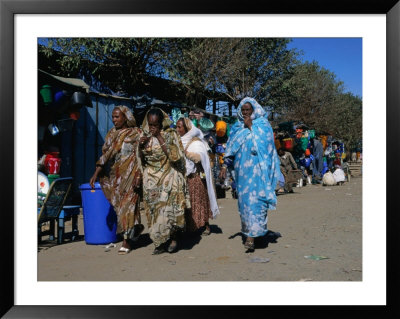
172,246
123,251
159,250
249,245
206,232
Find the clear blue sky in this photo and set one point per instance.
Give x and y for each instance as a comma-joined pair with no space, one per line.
342,56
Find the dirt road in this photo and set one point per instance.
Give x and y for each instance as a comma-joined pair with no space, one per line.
315,220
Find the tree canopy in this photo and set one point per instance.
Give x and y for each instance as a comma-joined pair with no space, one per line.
225,69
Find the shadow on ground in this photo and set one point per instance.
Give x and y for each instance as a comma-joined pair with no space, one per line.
188,240
144,240
47,243
215,229
261,242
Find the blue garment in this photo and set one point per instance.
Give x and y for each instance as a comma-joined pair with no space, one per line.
318,162
256,165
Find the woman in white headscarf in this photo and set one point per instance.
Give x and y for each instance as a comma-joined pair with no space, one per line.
199,177
251,150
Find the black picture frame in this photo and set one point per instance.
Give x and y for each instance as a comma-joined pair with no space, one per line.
8,10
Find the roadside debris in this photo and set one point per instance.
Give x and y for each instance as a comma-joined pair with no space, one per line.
259,260
316,257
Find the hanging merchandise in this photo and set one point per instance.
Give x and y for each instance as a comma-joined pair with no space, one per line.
74,115
288,143
194,121
53,129
307,152
311,133
176,115
79,98
299,132
52,164
60,97
220,128
206,124
46,94
324,140
228,129
303,143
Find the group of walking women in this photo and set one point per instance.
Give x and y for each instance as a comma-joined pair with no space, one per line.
169,170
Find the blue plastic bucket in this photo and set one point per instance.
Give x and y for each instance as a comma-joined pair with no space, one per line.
99,218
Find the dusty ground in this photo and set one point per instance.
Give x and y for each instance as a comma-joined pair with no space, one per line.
315,220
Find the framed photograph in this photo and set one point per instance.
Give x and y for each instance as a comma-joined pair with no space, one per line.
22,23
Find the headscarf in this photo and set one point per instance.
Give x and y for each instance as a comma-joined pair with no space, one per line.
238,131
258,111
200,147
192,131
166,123
130,119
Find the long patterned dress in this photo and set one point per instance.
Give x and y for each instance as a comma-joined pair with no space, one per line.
201,211
256,164
165,194
121,176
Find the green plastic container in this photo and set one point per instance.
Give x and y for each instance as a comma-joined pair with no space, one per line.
46,94
303,143
52,178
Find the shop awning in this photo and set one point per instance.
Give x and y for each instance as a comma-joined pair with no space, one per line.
70,81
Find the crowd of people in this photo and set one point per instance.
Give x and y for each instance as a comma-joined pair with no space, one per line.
177,164
170,167
312,160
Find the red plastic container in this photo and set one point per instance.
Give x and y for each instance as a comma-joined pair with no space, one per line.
52,164
288,143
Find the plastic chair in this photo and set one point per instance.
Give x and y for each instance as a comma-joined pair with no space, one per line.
53,205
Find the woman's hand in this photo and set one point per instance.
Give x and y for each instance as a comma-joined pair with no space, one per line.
94,177
93,180
143,141
248,122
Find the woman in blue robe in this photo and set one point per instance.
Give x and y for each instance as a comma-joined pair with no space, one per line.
251,150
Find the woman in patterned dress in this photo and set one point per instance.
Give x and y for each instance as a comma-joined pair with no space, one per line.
251,150
120,176
199,177
165,195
